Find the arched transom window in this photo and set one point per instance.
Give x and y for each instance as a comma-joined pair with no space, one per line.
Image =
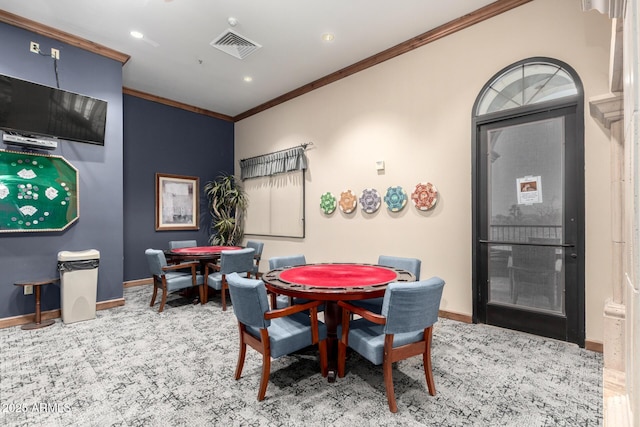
526,84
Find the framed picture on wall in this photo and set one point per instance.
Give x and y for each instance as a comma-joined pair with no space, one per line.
177,204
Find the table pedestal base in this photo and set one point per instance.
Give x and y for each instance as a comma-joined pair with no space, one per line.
37,285
35,325
332,318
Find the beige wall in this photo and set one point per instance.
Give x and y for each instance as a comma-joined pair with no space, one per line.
632,211
414,112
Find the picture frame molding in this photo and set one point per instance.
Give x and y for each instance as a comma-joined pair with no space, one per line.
192,186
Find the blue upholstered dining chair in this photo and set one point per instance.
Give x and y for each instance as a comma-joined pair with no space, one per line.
286,261
273,333
403,329
171,278
175,244
257,246
411,265
233,261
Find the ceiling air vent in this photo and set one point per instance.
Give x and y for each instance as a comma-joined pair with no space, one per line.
234,44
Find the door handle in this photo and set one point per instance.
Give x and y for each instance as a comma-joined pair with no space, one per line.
512,243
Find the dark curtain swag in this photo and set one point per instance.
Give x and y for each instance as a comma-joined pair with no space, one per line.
274,163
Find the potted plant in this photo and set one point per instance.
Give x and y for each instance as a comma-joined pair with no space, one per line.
227,204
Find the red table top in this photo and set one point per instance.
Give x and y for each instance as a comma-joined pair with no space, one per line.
204,250
335,281
338,275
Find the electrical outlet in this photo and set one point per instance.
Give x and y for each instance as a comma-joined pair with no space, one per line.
28,290
34,47
55,53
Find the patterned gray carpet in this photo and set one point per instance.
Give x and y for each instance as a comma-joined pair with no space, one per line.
134,367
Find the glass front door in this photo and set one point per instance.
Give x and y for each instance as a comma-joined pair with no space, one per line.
528,225
525,214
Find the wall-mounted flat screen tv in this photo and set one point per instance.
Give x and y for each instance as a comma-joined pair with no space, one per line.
32,109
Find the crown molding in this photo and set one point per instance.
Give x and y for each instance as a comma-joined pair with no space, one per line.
496,8
44,30
176,104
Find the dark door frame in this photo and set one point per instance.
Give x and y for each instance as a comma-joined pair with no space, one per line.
575,326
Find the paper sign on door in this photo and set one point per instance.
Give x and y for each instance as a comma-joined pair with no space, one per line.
529,190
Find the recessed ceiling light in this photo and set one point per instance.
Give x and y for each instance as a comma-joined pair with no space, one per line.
138,35
248,79
328,37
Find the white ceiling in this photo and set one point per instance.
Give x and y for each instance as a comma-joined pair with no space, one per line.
176,61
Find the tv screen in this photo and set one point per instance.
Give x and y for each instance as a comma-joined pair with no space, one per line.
31,109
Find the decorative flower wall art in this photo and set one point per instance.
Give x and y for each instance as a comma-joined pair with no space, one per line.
348,201
370,200
425,196
328,203
395,199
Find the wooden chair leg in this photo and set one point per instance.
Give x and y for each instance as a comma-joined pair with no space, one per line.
223,290
324,364
163,301
264,379
426,361
241,354
342,359
201,294
164,294
388,373
206,291
155,294
266,363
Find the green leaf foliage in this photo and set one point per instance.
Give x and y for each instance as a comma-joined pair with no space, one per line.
227,204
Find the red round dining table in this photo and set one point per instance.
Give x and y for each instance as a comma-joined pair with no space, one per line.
332,282
198,252
204,254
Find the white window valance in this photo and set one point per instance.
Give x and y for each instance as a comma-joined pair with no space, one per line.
274,163
613,8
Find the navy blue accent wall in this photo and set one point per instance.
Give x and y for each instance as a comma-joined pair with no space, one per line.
163,139
25,256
